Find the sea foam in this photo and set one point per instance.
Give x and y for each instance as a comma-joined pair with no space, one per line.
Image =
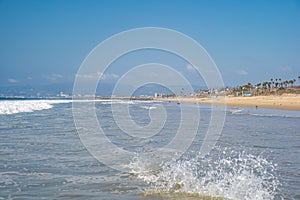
8,107
20,106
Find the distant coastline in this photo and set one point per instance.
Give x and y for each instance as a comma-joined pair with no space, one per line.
11,98
284,102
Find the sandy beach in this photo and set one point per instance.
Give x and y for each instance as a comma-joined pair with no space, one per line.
284,102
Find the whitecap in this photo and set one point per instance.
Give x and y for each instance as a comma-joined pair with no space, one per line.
9,107
148,107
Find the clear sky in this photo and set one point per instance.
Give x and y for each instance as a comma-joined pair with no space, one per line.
46,41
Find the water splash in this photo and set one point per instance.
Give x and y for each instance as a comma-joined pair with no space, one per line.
226,174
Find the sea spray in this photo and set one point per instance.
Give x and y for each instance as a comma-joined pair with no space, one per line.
224,173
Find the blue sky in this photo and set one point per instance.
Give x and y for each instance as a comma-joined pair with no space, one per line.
46,41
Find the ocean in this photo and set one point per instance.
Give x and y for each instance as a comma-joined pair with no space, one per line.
43,154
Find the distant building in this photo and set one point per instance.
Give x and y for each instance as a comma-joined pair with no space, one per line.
61,94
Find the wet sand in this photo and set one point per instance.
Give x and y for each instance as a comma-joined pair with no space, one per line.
284,102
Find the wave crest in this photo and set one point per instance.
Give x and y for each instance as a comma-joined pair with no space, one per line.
21,106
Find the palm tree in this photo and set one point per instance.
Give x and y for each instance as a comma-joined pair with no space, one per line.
280,83
292,82
249,86
269,85
257,86
286,83
264,86
272,82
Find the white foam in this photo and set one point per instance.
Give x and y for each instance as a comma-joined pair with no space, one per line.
265,112
8,107
21,106
236,177
148,107
109,102
235,111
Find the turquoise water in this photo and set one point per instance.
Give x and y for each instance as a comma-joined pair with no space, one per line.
42,156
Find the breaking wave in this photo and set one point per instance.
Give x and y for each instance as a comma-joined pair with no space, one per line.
148,107
20,106
8,107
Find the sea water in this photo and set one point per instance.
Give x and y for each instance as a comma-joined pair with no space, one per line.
42,156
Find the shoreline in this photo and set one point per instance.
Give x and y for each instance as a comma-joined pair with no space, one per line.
283,102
